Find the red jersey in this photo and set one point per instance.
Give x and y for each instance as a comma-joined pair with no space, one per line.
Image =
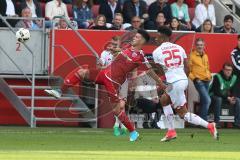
124,63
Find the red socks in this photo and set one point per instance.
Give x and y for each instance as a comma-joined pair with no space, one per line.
126,121
70,80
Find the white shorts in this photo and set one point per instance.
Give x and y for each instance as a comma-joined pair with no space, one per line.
177,94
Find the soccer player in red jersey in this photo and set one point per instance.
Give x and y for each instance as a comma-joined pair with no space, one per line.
115,75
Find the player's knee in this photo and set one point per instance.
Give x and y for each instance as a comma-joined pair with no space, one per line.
117,110
181,116
83,73
187,116
119,107
165,100
181,111
122,104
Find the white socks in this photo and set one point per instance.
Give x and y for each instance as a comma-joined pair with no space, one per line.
195,119
117,122
168,112
189,117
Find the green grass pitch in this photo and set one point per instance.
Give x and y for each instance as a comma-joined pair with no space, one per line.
23,143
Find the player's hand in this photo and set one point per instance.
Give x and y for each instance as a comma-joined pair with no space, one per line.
100,62
169,87
162,86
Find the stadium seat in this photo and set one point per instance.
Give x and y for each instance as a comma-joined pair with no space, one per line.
191,13
70,10
95,10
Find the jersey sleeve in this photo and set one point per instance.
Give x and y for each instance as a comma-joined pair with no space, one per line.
102,59
184,53
144,63
157,56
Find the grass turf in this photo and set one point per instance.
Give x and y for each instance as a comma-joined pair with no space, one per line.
22,143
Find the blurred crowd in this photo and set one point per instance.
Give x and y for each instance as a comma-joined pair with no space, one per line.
179,15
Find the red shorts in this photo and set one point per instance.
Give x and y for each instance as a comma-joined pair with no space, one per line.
111,86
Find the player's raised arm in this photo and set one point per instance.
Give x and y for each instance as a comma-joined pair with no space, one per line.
154,76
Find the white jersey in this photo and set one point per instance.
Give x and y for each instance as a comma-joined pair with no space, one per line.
106,58
171,57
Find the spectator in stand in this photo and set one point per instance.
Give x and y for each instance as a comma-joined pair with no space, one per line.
160,21
136,23
133,8
64,1
35,9
62,24
235,56
180,10
26,23
56,8
206,27
109,8
159,6
100,23
190,3
82,13
8,8
204,10
222,92
201,76
34,6
228,25
117,23
176,25
149,2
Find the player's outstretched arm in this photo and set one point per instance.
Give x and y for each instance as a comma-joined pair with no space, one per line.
186,67
158,80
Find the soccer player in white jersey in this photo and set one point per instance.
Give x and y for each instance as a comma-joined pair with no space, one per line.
173,60
106,58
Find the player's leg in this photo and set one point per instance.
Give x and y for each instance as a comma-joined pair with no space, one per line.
124,119
116,127
196,120
72,79
179,101
118,106
123,94
168,112
118,124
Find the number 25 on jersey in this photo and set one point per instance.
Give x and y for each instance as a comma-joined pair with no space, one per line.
172,58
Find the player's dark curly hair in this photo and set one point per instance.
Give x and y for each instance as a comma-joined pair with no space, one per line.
165,31
144,34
